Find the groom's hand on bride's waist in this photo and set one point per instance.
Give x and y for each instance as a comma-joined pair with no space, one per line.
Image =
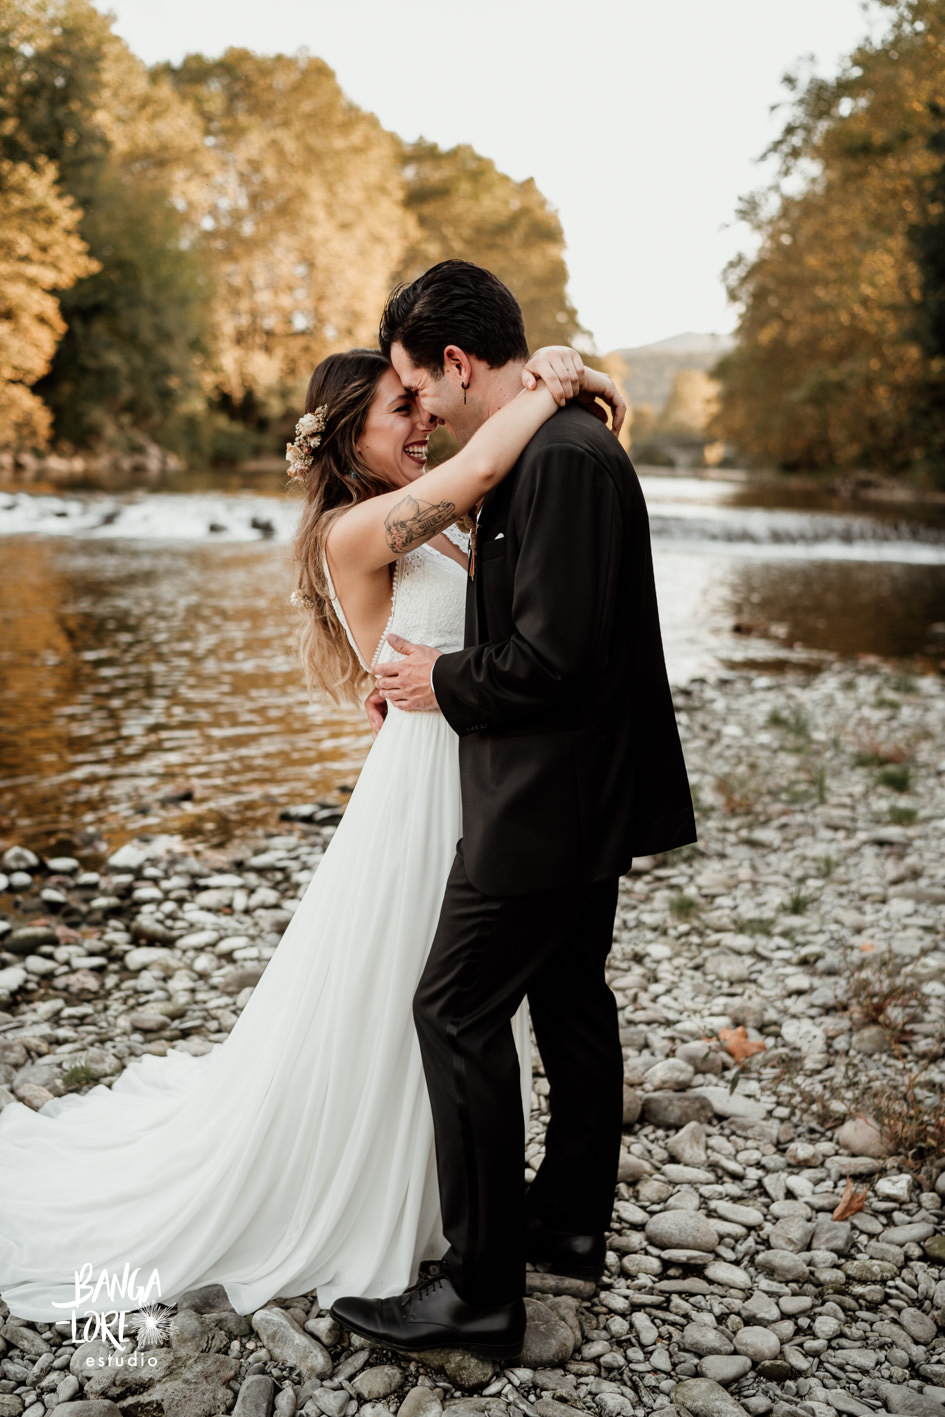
406,683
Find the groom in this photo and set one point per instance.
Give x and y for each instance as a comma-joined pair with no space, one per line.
570,766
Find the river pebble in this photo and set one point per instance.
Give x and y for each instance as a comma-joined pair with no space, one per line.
749,973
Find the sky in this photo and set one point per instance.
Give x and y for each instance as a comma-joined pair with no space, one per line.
642,121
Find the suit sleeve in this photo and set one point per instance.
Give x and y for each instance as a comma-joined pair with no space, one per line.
568,516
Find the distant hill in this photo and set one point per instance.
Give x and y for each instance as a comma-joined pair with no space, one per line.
653,367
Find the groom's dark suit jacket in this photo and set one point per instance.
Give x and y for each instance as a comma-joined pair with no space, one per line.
569,754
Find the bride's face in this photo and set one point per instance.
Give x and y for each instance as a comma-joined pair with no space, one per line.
393,442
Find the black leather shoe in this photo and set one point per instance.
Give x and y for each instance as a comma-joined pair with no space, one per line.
432,1315
576,1256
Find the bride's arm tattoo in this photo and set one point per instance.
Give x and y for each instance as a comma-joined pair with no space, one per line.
409,524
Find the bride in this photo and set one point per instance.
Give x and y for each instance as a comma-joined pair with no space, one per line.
298,1154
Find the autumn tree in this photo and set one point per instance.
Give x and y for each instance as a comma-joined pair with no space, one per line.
41,253
829,367
465,207
303,217
927,239
691,404
129,154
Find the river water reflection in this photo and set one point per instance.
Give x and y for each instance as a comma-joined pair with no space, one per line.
148,674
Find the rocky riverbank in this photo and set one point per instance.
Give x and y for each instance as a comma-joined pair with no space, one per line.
777,1242
145,466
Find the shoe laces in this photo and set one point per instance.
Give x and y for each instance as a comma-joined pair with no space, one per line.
425,1286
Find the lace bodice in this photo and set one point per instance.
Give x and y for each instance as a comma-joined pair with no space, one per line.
428,596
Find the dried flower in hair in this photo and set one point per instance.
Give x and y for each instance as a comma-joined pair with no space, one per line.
302,599
300,455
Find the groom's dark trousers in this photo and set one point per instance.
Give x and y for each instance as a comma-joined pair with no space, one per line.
570,765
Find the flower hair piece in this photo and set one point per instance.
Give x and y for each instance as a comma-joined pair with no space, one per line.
302,600
308,436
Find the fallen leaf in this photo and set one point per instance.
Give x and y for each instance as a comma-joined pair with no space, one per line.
736,1042
851,1201
867,947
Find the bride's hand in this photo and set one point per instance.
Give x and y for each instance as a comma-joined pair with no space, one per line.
566,376
375,706
560,369
596,385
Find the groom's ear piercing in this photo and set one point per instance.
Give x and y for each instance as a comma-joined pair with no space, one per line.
465,387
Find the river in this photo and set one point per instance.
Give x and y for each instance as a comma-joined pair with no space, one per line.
148,675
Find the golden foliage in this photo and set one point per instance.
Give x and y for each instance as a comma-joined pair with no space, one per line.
41,252
303,216
247,219
693,401
828,366
465,207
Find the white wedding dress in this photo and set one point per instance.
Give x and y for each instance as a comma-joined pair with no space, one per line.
297,1154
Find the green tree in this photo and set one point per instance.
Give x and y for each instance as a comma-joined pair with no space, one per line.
828,368
465,207
126,363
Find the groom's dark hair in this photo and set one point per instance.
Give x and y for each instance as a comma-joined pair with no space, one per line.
458,303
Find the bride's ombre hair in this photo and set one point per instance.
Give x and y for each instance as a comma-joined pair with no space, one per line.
345,384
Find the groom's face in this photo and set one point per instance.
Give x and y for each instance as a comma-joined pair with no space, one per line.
438,393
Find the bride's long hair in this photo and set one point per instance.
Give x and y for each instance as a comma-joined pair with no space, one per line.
344,386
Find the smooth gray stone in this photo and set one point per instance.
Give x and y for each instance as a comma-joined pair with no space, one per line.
790,1233
864,1360
835,1235
842,1401
324,1328
188,1331
675,1109
870,1271
725,1369
464,1370
906,1402
731,1275
549,1338
18,1335
701,1397
706,1339
738,1214
255,1397
288,1344
477,1407
374,1384
783,1265
912,1234
919,1326
681,1230
97,1407
757,1343
614,1404
424,1402
331,1401
762,1307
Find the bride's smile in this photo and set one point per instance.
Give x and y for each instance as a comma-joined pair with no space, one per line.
396,433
